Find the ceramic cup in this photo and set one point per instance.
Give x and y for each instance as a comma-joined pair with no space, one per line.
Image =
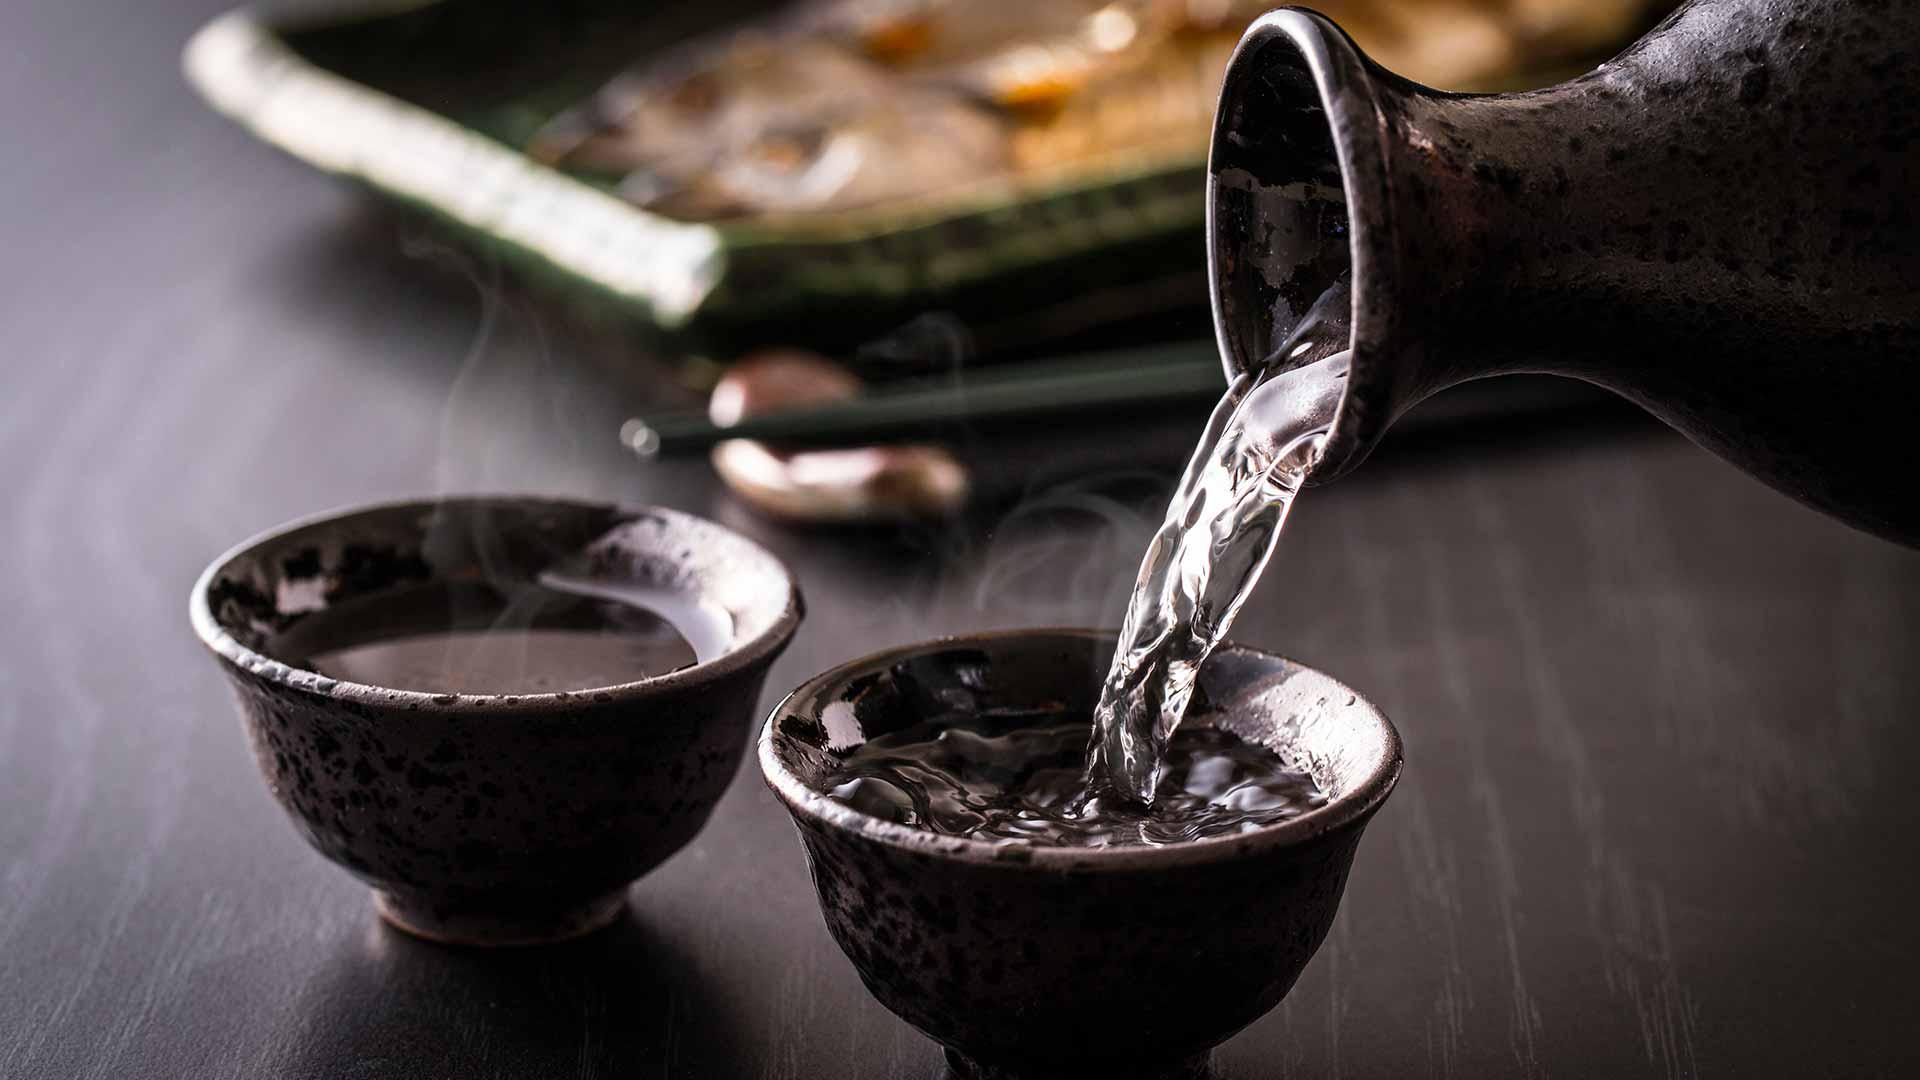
494,818
1037,962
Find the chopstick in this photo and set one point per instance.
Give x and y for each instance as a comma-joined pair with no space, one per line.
1092,384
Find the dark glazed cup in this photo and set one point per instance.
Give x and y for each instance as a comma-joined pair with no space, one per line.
1035,962
494,819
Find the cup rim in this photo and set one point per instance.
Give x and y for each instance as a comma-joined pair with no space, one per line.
807,803
744,655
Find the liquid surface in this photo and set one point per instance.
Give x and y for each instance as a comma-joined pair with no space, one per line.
1219,533
1001,778
523,638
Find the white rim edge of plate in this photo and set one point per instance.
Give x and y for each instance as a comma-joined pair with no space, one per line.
245,72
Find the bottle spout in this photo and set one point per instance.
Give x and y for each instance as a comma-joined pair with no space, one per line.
1297,209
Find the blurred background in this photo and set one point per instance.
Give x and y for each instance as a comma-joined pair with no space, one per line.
948,256
847,222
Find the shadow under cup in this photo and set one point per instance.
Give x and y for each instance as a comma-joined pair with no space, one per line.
494,818
1123,961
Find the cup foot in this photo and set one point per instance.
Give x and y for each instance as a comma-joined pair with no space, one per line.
461,926
963,1067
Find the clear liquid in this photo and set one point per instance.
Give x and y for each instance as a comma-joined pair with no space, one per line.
1008,777
521,638
1219,532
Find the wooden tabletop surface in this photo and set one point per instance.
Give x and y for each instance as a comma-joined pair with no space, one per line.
1658,816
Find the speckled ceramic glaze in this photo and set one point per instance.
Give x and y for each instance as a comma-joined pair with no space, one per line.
1037,962
1717,225
494,819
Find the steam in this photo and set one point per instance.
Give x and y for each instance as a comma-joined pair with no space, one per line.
1060,555
509,408
459,396
512,410
1065,555
935,341
468,413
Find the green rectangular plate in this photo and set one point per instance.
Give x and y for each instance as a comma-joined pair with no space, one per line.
426,104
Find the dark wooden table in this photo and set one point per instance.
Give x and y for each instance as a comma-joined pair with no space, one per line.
1658,817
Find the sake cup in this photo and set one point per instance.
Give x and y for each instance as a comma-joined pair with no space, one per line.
493,819
1124,961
